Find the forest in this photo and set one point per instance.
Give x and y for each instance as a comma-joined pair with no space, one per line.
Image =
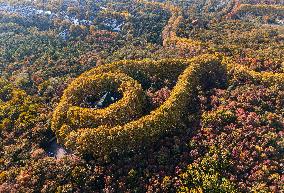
141,96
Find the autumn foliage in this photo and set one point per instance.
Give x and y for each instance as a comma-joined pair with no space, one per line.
141,96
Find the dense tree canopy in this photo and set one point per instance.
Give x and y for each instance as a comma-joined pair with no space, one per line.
141,96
